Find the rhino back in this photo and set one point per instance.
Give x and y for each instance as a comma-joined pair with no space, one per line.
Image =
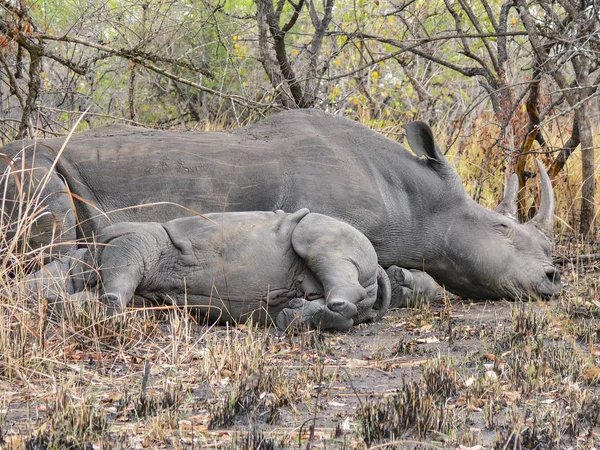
295,159
239,260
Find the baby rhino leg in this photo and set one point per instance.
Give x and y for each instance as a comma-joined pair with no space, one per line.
315,314
57,279
299,313
345,263
123,256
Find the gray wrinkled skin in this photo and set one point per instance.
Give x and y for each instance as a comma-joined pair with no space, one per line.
409,287
413,209
300,269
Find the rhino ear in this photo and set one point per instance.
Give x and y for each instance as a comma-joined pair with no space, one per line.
508,205
287,225
421,141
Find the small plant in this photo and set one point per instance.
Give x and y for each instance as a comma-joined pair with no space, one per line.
254,439
527,323
253,383
404,347
412,408
143,404
257,393
536,431
98,327
440,378
73,424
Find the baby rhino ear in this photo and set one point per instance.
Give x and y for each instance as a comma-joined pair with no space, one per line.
421,141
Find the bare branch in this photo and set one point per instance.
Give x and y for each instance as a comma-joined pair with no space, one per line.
14,87
465,70
473,18
297,8
541,52
567,150
314,74
237,98
35,67
124,53
501,29
466,48
269,63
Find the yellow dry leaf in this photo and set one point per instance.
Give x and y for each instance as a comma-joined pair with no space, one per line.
591,374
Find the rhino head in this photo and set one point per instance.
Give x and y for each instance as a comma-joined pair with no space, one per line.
485,254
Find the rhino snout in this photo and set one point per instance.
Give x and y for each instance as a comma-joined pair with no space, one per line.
553,276
548,286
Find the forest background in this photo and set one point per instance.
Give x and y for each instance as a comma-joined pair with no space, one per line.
501,82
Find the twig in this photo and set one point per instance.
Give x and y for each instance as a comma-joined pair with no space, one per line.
583,259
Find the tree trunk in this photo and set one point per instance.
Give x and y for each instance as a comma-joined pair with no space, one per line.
567,150
35,67
132,111
588,187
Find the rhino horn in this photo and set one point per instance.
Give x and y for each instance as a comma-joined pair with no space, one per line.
544,219
508,205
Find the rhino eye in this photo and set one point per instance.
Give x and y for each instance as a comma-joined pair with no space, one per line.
503,228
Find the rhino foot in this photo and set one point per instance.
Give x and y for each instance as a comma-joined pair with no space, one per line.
402,291
342,307
84,302
337,315
299,313
410,287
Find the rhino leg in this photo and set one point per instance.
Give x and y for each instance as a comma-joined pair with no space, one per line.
57,279
345,263
384,295
316,314
299,313
122,263
56,222
337,314
411,286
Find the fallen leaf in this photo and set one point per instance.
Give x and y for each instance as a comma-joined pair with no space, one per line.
491,375
111,398
336,404
591,374
511,396
353,362
346,424
185,424
429,340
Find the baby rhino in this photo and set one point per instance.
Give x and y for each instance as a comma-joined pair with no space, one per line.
292,268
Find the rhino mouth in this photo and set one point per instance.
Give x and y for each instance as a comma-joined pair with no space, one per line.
552,284
548,287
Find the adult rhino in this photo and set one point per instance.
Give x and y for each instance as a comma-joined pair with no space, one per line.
289,268
413,209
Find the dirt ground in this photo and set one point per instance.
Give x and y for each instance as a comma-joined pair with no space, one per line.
455,374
